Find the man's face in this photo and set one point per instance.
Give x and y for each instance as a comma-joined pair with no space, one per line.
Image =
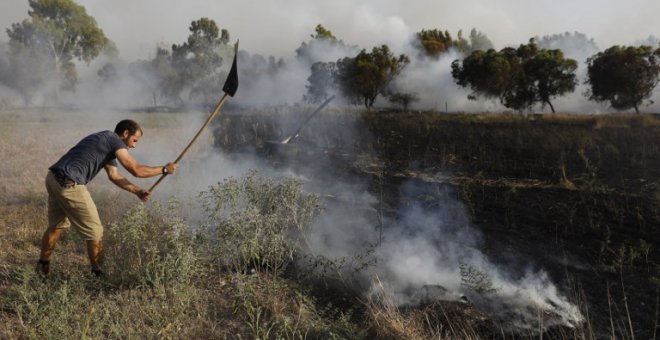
131,140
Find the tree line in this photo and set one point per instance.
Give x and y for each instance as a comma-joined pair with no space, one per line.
44,48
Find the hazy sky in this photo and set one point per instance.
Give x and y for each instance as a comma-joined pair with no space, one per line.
278,27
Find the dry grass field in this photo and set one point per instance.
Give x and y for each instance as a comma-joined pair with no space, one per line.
164,279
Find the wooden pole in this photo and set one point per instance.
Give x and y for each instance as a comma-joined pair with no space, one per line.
208,121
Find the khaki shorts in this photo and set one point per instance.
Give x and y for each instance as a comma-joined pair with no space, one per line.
67,206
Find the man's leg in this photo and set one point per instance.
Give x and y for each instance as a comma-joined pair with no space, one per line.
48,242
57,222
95,253
81,212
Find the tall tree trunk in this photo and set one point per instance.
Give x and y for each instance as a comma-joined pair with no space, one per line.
551,107
636,109
56,69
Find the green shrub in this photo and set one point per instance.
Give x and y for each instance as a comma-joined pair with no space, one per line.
149,246
255,223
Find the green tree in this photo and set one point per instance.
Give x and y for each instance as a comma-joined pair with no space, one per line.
25,71
367,75
434,43
321,82
520,93
624,76
576,45
478,41
61,31
323,46
404,99
323,33
487,73
197,60
519,78
552,74
157,74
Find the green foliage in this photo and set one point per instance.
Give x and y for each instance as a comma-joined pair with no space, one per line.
192,66
323,46
519,78
61,31
487,73
108,72
25,71
404,99
575,43
321,82
151,248
434,43
197,60
323,33
478,41
624,76
255,222
552,75
367,75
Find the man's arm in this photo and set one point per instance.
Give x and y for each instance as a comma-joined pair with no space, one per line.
138,170
115,176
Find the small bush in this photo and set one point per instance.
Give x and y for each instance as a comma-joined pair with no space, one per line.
151,247
255,223
475,279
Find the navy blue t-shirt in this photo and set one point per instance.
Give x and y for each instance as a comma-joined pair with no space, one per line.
89,156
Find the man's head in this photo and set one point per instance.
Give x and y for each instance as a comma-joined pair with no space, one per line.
129,131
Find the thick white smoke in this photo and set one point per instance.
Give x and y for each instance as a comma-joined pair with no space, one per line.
417,255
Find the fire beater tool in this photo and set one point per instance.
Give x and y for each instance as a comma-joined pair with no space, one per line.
295,134
229,88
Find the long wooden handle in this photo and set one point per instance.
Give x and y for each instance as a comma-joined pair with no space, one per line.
208,121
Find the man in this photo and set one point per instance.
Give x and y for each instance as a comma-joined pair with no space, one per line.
69,202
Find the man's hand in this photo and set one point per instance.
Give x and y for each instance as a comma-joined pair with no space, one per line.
170,168
143,194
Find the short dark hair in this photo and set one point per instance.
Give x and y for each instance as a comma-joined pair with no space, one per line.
129,125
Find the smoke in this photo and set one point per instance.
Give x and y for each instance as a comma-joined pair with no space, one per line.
434,85
417,255
276,29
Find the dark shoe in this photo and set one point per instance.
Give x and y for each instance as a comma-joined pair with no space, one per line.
43,267
98,273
